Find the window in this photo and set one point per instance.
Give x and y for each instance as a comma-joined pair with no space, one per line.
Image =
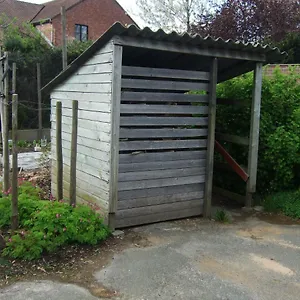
81,32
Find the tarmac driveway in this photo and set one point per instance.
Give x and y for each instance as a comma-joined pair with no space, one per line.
194,259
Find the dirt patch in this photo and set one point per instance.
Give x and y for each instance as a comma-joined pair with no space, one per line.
278,219
261,231
271,265
72,264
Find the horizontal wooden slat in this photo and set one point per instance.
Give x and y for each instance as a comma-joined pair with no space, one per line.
91,78
144,175
163,97
233,139
156,145
138,157
160,133
163,121
230,195
146,201
161,165
146,210
101,58
81,96
163,109
86,87
153,183
95,69
84,105
163,191
163,85
158,217
164,73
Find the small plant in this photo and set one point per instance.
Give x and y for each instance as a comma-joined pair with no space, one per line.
221,216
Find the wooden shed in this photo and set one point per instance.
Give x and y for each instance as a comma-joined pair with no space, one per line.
145,142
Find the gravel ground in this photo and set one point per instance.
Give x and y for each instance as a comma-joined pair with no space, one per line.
193,259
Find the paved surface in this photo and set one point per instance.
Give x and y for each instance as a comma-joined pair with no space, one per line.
195,259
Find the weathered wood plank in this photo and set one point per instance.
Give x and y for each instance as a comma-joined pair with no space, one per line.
91,78
82,96
232,139
156,145
101,58
87,133
154,209
86,115
153,183
161,165
84,105
164,73
163,97
160,133
158,217
163,191
95,69
138,157
146,201
230,195
254,134
85,87
163,85
115,130
96,153
163,109
211,137
145,175
163,121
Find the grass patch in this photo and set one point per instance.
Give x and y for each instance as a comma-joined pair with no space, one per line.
287,203
222,217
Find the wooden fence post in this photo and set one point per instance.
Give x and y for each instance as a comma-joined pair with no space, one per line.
254,134
5,145
39,93
64,38
59,156
14,78
14,185
73,153
211,138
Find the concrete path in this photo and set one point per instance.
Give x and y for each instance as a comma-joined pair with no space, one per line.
194,259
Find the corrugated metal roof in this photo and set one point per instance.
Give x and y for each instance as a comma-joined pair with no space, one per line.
272,54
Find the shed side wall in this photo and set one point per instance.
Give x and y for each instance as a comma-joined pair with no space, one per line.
91,85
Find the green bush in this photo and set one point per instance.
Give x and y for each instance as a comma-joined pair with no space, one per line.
47,225
279,147
285,202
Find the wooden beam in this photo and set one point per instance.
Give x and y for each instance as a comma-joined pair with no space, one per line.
211,137
233,164
230,195
39,93
254,134
187,49
115,131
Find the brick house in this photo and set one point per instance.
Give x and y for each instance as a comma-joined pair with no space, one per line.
86,19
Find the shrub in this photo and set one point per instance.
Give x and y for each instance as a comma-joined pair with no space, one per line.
285,202
279,148
222,217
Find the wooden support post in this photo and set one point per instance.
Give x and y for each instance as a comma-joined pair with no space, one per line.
115,129
14,184
5,132
211,138
64,38
2,103
59,156
39,93
14,78
73,163
254,134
